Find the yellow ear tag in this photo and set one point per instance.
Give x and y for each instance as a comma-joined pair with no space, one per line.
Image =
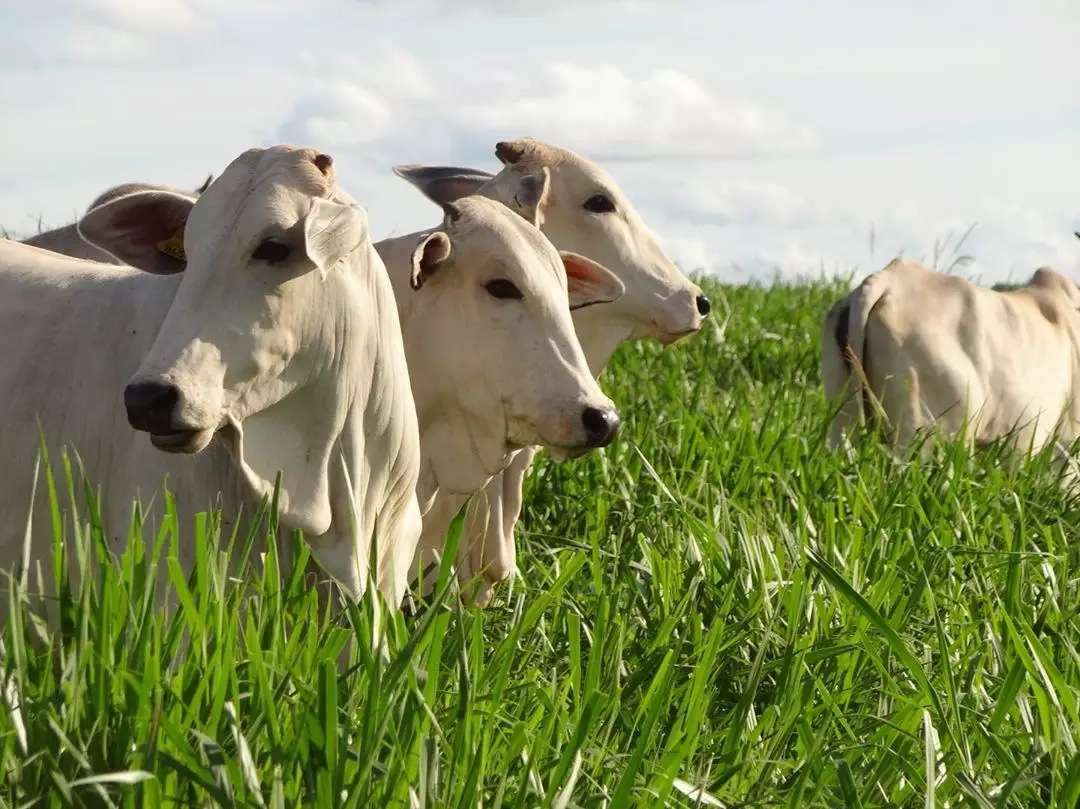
174,245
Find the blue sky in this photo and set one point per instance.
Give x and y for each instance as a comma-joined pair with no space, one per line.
751,135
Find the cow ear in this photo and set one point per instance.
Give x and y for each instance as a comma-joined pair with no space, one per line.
528,194
588,282
144,229
442,184
332,230
432,252
511,152
206,183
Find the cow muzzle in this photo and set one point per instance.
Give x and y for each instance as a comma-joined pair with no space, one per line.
151,408
685,315
601,426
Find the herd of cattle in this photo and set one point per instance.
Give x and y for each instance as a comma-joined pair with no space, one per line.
384,385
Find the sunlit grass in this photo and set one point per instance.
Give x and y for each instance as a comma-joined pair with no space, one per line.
714,611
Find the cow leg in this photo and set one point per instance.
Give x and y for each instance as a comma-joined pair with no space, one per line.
1034,435
837,375
426,561
483,519
491,553
895,385
503,556
1066,468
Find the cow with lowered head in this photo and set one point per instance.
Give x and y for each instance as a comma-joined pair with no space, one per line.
918,348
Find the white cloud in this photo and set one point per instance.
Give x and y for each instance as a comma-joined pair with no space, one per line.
988,242
660,113
145,15
93,44
737,202
104,33
600,110
113,32
341,115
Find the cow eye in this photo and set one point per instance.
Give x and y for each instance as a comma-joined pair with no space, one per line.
599,203
503,289
271,251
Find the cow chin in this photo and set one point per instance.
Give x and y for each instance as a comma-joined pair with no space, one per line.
666,338
522,436
565,449
182,442
561,454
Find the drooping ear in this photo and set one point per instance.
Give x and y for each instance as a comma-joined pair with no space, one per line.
332,230
443,184
432,252
588,282
122,190
144,229
528,194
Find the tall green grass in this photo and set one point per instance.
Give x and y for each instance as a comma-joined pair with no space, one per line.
714,611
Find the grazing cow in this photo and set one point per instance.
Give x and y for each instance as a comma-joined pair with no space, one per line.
277,350
67,240
937,350
586,212
495,363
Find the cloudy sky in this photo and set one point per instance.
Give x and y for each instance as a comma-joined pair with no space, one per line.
752,135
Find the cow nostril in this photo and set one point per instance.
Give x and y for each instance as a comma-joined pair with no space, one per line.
150,405
600,426
703,305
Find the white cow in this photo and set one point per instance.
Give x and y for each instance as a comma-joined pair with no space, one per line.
277,350
491,348
67,240
937,349
586,212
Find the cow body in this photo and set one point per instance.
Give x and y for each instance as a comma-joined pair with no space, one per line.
277,349
66,241
585,212
940,351
86,329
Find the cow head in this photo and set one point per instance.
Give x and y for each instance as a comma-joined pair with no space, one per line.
585,212
491,347
276,325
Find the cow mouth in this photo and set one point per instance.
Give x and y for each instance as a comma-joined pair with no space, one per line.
183,442
560,454
531,437
666,338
